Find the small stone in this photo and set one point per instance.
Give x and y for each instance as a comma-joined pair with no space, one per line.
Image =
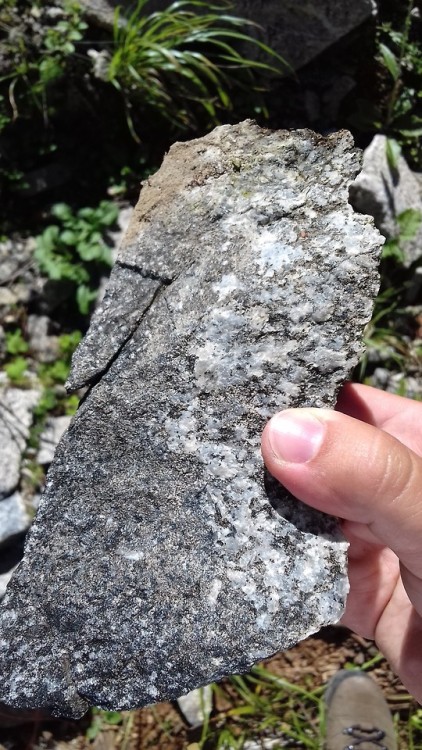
43,346
13,517
4,580
196,706
16,406
7,297
54,428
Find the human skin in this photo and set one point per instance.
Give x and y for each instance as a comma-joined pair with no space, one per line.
363,463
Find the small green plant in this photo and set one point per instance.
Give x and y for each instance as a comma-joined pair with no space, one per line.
395,109
100,719
401,113
387,335
36,46
184,60
74,249
15,343
15,370
408,224
53,373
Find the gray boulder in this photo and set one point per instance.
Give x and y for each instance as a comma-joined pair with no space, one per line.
385,192
162,556
297,31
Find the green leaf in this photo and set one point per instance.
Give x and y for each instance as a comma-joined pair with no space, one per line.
62,211
92,250
16,369
58,371
15,343
390,61
109,213
84,298
409,222
48,239
112,717
68,237
93,731
393,151
71,405
47,402
392,249
412,133
68,343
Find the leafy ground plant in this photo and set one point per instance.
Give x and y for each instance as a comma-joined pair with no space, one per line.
392,338
185,61
74,250
37,43
401,56
396,106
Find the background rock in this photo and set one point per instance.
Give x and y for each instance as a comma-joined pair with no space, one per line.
162,557
14,519
16,407
385,192
44,347
50,437
297,31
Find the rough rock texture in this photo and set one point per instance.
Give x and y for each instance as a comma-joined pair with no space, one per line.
384,193
161,557
297,31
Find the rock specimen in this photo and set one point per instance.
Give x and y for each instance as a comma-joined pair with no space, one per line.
162,557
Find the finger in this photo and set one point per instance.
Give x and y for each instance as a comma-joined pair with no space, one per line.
352,470
396,415
373,573
379,608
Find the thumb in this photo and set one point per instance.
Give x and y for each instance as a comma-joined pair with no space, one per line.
353,470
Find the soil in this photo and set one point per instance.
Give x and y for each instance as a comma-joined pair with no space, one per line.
310,664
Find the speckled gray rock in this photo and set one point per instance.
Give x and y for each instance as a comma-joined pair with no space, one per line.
161,557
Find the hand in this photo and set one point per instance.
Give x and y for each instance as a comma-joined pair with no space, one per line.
363,463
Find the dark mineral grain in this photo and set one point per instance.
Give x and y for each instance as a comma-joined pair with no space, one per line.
162,557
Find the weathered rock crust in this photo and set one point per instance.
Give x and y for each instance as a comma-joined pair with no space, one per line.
161,558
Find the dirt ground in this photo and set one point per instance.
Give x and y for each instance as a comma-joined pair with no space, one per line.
309,664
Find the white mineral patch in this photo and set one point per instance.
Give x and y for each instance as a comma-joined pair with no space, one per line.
229,283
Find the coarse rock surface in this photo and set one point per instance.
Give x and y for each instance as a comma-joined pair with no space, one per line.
16,406
162,557
385,192
296,31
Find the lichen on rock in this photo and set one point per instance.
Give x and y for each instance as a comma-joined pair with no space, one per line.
162,557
